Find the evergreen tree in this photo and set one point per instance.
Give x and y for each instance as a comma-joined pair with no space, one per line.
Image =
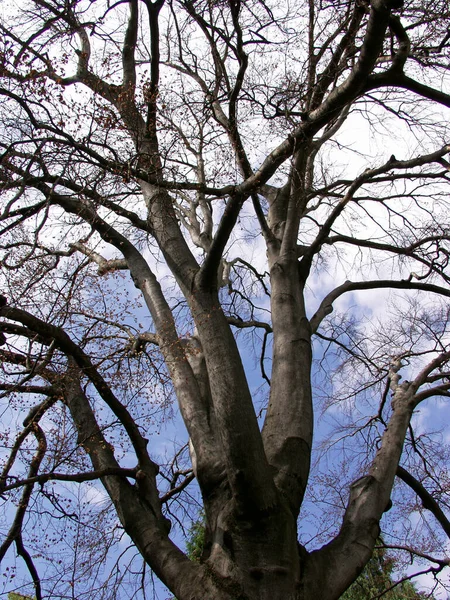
196,541
376,578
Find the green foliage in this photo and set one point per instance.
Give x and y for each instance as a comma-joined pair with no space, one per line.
196,540
16,596
376,578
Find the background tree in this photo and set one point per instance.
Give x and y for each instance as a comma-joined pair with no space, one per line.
256,168
376,581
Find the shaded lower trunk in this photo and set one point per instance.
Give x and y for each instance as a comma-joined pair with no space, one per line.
260,555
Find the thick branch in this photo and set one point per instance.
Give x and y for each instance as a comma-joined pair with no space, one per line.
394,79
206,278
237,426
69,347
104,265
153,13
23,552
369,497
326,306
288,426
129,47
77,477
428,501
197,416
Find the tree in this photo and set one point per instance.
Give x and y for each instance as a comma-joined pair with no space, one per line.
195,544
217,155
376,581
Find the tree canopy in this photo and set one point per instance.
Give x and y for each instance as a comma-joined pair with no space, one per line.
227,220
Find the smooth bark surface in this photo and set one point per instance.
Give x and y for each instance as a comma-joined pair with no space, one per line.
146,146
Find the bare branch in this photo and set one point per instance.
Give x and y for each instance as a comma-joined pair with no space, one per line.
428,501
